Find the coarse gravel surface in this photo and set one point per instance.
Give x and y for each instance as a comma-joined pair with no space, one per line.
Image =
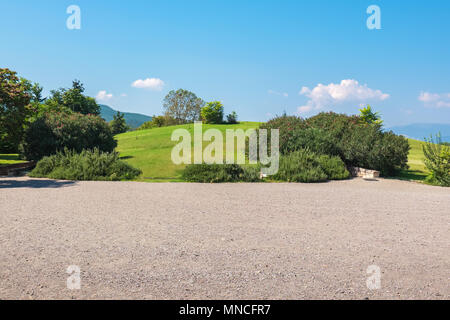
136,240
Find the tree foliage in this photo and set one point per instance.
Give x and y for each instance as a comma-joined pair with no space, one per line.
182,105
15,106
118,124
232,118
73,99
212,113
370,117
53,132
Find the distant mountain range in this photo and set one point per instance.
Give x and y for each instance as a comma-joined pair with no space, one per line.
134,120
419,131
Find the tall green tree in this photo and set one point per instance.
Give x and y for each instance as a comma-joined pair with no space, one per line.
73,99
369,116
212,112
182,105
118,124
15,99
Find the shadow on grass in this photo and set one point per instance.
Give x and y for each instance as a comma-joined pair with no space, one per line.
9,157
126,157
414,175
37,184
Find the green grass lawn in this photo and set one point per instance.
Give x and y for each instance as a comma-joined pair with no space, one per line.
417,170
6,159
150,150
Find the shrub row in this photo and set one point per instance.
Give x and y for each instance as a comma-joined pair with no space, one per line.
354,141
87,165
215,173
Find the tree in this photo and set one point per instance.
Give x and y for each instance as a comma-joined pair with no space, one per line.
182,105
73,99
118,124
212,112
232,118
370,117
15,99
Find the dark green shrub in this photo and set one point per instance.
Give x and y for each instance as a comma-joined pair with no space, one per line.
356,142
306,166
316,140
87,165
389,154
232,118
215,173
300,166
54,132
333,167
368,147
437,160
286,126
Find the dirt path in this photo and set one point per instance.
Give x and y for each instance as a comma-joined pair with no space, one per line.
227,241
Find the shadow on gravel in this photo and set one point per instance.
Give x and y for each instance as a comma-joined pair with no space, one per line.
34,184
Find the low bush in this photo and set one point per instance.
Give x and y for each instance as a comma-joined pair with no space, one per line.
437,161
306,166
215,173
87,165
158,122
333,167
51,133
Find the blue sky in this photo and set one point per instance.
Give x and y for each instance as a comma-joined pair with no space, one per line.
254,56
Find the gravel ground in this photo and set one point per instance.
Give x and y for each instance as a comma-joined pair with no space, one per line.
228,241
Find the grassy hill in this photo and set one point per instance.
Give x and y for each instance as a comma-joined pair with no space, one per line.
417,170
150,150
134,120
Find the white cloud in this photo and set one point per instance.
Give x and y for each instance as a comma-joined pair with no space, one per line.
348,90
284,94
149,83
123,95
304,109
435,100
103,95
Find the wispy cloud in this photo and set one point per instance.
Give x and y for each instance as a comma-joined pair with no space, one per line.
435,100
149,83
103,95
348,90
276,93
